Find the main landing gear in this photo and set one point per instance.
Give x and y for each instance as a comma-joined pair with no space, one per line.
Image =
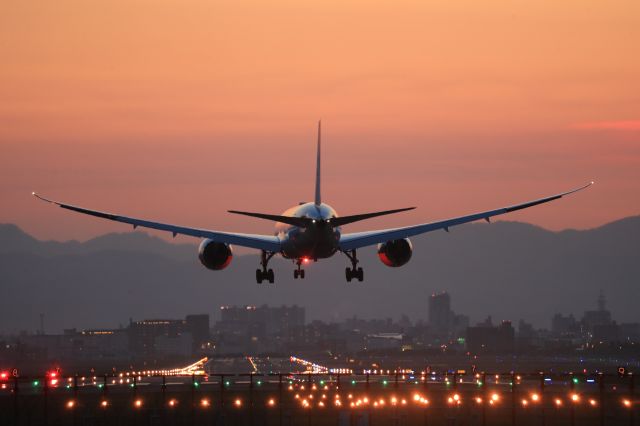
353,272
264,274
299,272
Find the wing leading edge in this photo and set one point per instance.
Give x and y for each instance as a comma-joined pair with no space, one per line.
260,242
363,239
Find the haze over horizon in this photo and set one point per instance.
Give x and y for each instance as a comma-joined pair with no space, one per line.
508,270
177,112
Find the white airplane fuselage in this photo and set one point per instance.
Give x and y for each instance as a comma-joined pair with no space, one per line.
318,241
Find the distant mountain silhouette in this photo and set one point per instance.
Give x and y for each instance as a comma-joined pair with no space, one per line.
507,269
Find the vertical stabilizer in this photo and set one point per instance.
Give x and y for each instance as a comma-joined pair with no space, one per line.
318,199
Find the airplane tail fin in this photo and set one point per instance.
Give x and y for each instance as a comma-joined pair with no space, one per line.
318,198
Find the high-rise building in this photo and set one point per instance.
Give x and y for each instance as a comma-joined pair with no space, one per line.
440,315
198,326
600,317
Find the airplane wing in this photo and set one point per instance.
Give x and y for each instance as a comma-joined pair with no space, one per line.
260,242
363,239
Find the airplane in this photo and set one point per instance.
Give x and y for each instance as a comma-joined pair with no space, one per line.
310,231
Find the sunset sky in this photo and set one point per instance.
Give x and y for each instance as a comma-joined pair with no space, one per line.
179,110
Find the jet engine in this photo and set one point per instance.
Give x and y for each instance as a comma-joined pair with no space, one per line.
214,255
395,253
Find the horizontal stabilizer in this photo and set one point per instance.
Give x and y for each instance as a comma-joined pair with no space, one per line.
295,221
339,221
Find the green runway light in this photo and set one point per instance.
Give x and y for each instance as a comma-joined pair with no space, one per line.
227,383
259,382
196,384
36,383
322,382
384,383
575,380
353,382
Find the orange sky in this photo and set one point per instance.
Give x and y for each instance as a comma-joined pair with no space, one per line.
179,110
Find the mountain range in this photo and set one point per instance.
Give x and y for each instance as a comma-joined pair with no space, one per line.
509,270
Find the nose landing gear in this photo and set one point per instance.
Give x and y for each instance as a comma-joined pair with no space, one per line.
264,273
299,272
353,272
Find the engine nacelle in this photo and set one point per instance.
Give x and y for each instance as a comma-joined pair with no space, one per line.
395,253
214,255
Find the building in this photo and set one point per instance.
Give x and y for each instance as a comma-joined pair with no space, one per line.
485,338
564,325
598,318
251,329
152,337
440,315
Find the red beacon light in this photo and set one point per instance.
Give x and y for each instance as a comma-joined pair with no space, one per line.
53,377
4,375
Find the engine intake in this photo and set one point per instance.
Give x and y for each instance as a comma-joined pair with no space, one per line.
214,255
395,253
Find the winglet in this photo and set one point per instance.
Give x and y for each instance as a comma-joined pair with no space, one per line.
42,198
318,198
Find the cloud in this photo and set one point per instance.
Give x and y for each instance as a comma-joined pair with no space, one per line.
626,125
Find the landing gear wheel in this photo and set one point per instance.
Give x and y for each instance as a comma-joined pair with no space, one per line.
298,272
347,273
264,273
354,271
